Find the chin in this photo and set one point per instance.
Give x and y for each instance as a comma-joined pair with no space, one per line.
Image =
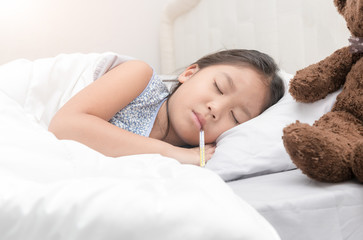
191,140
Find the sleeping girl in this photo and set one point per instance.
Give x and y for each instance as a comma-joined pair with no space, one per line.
129,110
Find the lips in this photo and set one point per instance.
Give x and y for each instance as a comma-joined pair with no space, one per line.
200,120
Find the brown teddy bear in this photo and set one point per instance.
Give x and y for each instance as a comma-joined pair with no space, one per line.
332,149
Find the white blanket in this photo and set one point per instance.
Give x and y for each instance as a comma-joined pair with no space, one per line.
61,189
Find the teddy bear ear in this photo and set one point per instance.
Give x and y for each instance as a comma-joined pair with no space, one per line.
340,4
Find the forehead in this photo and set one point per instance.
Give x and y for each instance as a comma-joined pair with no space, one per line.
230,67
244,74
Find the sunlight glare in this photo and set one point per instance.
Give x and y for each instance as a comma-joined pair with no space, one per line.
13,7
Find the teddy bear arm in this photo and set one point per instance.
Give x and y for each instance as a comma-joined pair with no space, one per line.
316,81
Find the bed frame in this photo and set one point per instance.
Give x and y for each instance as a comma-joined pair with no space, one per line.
294,32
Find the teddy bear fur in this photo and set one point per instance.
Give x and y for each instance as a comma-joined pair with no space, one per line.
331,150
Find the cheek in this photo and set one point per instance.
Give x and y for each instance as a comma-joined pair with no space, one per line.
212,133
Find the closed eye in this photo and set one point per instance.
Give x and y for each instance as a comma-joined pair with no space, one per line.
219,90
234,118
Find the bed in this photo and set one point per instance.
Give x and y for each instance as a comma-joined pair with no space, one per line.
251,158
61,189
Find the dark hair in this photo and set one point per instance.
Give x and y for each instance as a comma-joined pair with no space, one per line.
261,62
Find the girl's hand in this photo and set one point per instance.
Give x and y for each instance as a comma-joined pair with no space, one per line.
192,155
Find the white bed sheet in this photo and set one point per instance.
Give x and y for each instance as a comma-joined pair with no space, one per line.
301,208
61,189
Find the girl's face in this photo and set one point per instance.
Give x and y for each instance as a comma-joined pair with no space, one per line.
214,99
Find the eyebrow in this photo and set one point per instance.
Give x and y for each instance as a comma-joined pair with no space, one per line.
229,79
232,86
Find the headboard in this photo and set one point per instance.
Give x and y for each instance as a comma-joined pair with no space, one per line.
296,33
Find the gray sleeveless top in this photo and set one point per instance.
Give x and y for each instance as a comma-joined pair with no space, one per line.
139,115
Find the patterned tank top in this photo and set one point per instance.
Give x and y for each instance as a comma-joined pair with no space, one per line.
139,115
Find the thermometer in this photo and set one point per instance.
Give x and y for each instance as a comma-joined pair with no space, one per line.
202,148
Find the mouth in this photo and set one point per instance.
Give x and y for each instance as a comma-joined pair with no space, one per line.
199,120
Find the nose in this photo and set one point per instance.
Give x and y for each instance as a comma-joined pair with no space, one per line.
212,112
216,109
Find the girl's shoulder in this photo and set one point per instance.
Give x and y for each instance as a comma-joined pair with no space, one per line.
146,76
133,74
138,67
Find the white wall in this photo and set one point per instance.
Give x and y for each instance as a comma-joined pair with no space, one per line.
44,28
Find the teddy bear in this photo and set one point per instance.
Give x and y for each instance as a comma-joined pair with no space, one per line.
331,150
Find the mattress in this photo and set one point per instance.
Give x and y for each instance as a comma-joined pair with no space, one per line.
301,208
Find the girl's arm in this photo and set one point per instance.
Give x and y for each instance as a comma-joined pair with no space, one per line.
84,117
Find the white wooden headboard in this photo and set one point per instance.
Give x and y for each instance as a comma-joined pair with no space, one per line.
296,33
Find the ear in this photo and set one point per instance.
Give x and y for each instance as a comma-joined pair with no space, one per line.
188,73
340,4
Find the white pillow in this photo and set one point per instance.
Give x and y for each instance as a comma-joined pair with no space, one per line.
255,147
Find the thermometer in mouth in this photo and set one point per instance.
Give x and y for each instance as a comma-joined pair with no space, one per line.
201,148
